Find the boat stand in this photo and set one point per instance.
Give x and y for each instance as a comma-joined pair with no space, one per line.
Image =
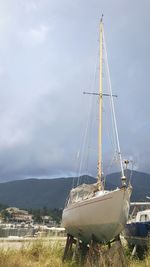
134,250
111,255
95,254
68,252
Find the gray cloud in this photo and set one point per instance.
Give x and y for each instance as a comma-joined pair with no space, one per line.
48,51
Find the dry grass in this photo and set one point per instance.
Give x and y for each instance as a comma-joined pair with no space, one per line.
39,254
140,263
137,263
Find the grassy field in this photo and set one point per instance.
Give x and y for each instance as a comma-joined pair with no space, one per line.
39,254
138,263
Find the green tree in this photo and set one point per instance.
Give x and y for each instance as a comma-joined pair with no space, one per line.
5,215
37,216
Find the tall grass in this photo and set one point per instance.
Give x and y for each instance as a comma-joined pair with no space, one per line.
135,262
40,254
140,263
36,254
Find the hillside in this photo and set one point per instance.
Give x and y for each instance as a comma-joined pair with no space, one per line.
37,193
140,182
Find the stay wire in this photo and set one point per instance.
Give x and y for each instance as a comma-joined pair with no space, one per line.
113,111
84,138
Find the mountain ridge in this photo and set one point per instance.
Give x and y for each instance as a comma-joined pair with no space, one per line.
52,193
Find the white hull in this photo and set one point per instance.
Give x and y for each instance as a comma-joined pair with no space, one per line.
101,216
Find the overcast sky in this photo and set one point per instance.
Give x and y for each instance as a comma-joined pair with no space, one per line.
48,52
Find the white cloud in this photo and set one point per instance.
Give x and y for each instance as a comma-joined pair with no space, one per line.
35,36
4,22
30,5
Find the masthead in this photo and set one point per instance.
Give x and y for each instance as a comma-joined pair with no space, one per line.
102,18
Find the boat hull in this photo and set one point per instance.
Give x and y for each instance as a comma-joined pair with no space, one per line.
137,233
102,217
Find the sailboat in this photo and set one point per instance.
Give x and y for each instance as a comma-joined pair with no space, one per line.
137,229
91,211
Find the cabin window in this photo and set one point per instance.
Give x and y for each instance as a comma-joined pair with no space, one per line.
144,218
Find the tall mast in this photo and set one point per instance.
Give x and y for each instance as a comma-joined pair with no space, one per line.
99,176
